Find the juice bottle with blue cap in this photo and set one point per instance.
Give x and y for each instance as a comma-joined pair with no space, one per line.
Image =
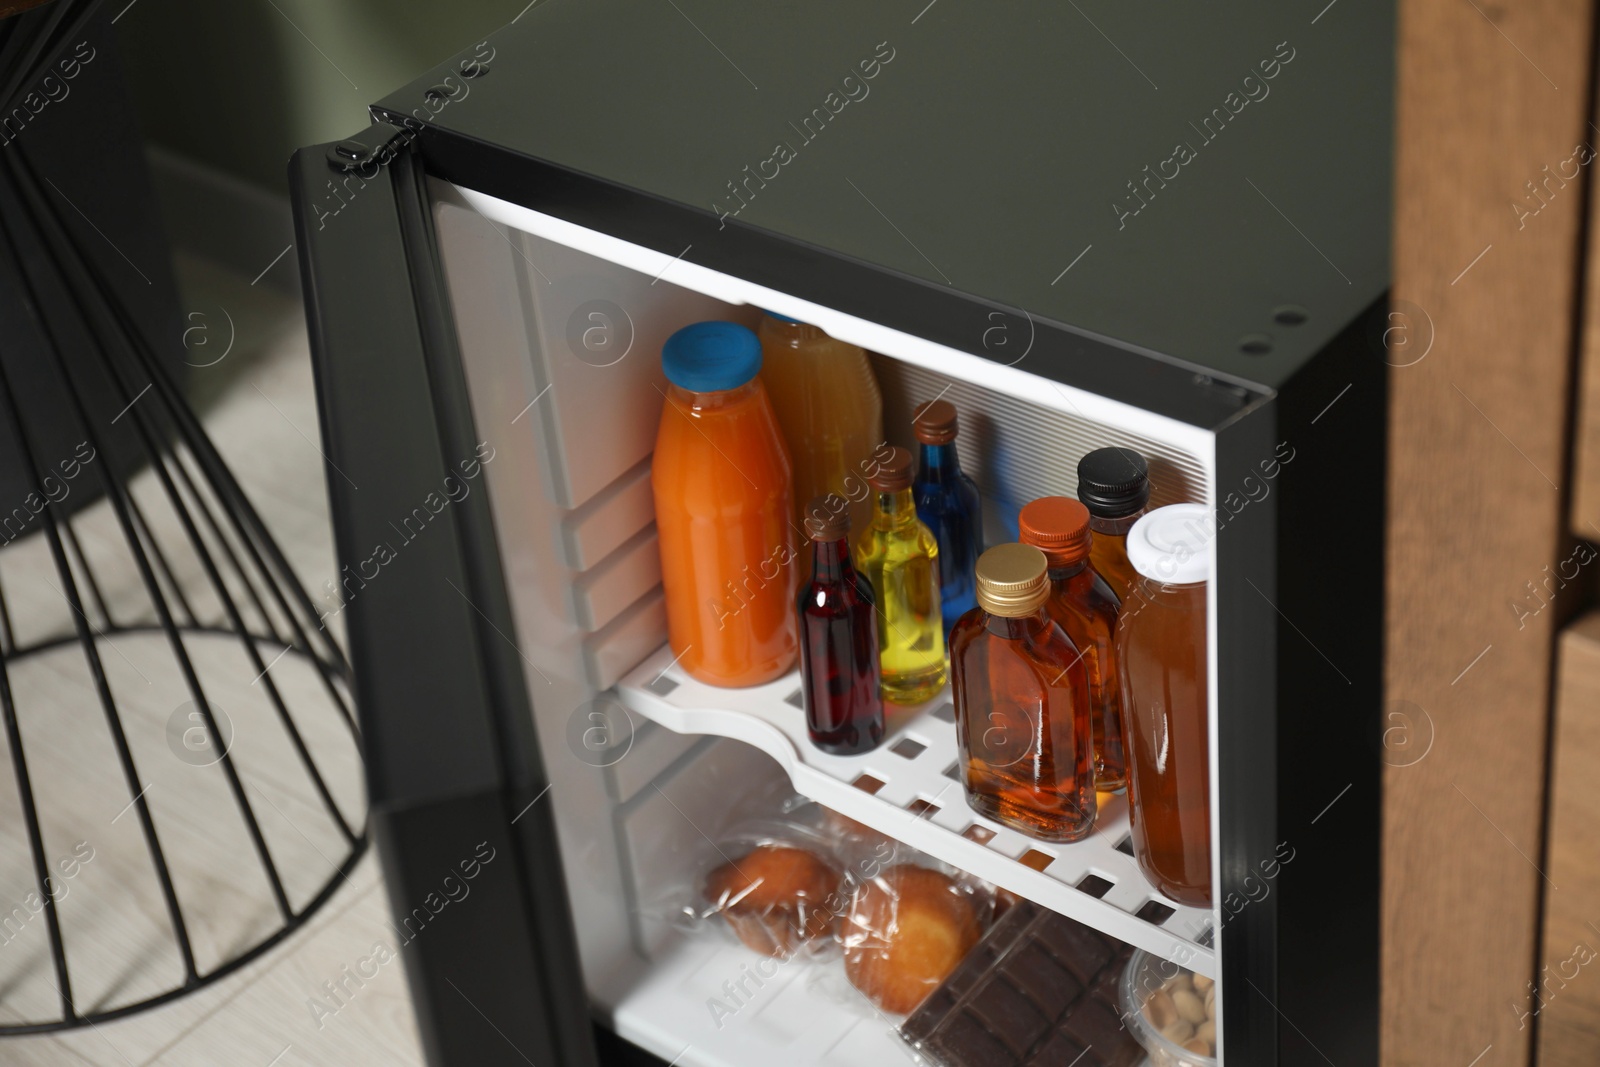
722,485
831,412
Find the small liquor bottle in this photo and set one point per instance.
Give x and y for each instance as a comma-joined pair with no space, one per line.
947,503
901,559
838,639
1114,484
1086,608
1022,703
1161,653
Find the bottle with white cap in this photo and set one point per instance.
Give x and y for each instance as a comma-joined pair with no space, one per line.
1161,655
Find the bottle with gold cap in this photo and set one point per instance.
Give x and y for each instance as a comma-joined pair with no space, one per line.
839,674
947,501
1022,703
900,557
1084,605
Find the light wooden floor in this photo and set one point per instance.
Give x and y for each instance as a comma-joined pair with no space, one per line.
259,407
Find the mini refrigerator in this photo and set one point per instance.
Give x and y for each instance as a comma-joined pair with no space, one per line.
1161,226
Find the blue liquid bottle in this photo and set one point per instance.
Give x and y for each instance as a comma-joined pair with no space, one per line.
947,503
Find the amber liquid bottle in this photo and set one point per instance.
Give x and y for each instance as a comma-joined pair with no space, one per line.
838,639
1022,703
1082,602
1114,484
1161,649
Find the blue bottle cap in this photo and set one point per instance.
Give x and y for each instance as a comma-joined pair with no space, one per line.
782,318
709,357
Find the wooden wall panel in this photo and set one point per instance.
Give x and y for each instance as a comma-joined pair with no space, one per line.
1489,95
1569,1015
1585,518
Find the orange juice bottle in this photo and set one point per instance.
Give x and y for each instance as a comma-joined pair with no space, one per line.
721,477
830,409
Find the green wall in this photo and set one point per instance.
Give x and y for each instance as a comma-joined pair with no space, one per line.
233,84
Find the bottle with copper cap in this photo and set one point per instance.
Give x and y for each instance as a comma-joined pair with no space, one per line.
1114,484
900,558
947,502
1084,605
839,674
1022,703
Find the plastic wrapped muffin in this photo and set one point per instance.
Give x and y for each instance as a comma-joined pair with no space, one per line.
777,897
906,929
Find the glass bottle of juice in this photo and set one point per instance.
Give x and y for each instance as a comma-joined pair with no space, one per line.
1114,484
1161,653
839,673
947,502
900,558
721,481
828,404
1022,703
1082,602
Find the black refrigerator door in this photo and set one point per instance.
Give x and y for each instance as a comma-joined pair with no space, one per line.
453,769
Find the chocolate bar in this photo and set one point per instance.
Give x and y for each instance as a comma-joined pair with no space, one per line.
1040,990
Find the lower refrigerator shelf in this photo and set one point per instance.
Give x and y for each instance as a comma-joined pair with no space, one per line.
704,1004
909,789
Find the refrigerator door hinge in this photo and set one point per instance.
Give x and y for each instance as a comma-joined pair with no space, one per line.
374,146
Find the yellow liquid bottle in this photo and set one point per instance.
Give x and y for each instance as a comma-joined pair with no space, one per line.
831,411
899,556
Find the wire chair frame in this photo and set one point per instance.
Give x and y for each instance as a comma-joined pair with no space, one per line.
263,605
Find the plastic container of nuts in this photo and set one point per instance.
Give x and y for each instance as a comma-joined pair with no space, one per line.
1172,1012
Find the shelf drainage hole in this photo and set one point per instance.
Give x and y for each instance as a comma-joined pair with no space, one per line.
908,748
797,698
945,713
953,772
981,834
1256,344
922,809
1036,860
1125,846
662,686
868,784
1094,885
1154,912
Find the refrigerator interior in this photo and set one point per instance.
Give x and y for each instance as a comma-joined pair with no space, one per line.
560,330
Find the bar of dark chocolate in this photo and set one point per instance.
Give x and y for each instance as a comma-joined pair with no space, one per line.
1040,990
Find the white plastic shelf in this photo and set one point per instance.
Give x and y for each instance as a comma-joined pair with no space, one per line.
685,1011
908,788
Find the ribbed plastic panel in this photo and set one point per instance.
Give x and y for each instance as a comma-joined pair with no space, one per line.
1018,451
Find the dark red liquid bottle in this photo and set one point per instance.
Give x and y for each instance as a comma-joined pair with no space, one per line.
839,674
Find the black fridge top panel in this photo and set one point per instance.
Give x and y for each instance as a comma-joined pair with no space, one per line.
1205,182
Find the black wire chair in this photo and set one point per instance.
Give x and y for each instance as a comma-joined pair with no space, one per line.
107,384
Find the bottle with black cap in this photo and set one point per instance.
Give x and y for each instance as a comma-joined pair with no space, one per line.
839,674
1114,484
